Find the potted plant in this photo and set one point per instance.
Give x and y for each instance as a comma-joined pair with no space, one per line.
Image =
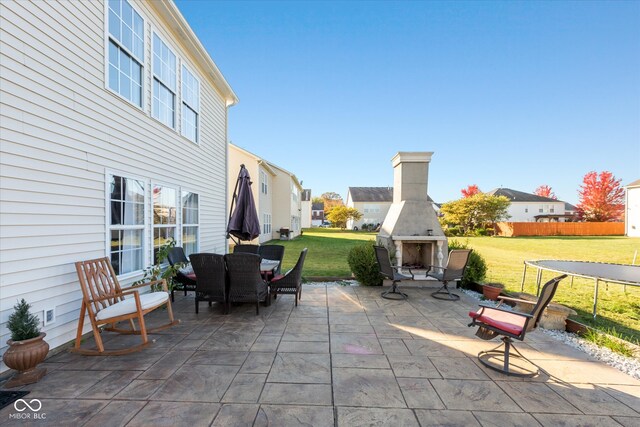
27,347
492,290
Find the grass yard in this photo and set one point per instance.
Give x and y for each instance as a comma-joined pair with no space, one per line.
328,249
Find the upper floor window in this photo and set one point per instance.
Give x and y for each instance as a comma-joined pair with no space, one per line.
264,185
164,83
126,51
190,105
126,224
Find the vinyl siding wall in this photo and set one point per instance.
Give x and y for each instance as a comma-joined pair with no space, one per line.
62,132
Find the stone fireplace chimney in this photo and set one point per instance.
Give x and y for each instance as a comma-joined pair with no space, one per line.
411,225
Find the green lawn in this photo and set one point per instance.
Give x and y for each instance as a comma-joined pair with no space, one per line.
328,249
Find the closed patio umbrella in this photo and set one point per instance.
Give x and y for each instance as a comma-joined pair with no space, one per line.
243,221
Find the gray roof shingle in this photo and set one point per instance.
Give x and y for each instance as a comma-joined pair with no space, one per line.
519,196
373,194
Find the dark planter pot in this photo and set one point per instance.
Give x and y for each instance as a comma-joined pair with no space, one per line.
24,356
491,292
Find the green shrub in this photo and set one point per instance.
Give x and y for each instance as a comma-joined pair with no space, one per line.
481,232
476,268
363,264
22,324
452,231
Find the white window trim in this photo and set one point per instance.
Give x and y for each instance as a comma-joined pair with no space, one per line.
195,75
199,225
143,95
178,234
154,31
107,215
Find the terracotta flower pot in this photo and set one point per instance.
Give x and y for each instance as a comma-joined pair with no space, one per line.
24,356
491,291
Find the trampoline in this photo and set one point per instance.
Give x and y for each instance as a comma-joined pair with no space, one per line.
624,274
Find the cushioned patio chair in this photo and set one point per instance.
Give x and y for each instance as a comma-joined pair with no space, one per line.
291,282
497,321
212,284
456,264
272,252
246,249
104,301
245,281
392,273
185,279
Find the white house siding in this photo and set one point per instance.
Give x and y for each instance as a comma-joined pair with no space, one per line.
632,215
62,131
526,211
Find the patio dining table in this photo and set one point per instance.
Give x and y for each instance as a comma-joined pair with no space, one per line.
267,266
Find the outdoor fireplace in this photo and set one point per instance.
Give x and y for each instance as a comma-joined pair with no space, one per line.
411,226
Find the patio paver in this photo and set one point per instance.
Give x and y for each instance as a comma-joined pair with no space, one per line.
343,357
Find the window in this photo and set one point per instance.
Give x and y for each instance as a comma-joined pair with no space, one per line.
126,224
164,83
294,195
540,209
190,222
264,185
526,210
266,223
552,209
371,208
190,105
126,51
164,217
295,223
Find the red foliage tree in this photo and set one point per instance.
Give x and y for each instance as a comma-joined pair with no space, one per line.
471,190
601,197
545,191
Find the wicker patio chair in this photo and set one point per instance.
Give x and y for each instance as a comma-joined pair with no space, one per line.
456,264
103,300
291,282
273,252
390,272
495,321
212,284
245,282
184,280
247,249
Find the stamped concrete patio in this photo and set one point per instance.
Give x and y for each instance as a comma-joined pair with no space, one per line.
344,357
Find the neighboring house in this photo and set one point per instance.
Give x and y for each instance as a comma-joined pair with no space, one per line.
262,175
287,205
526,207
305,214
114,133
632,209
317,214
570,211
373,203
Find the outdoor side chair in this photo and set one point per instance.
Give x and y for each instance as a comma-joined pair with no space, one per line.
495,321
212,284
272,252
185,279
245,281
391,272
291,282
456,264
105,302
247,249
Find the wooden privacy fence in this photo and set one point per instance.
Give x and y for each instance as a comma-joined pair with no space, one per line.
514,229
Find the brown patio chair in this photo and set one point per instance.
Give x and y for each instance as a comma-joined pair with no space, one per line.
272,252
392,273
291,282
247,249
212,284
185,280
245,282
103,300
495,321
456,264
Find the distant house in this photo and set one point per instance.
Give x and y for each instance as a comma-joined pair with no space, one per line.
305,213
317,214
373,203
262,176
114,139
632,209
527,207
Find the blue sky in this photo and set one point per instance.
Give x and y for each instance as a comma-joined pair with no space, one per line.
511,94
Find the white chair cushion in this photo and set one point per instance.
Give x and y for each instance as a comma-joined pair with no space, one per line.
128,306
